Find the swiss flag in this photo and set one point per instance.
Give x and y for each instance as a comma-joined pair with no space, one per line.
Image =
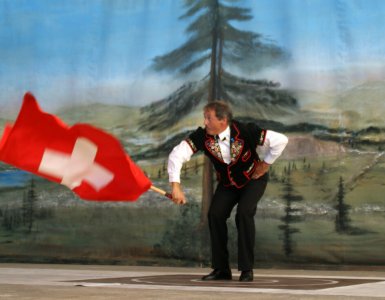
88,160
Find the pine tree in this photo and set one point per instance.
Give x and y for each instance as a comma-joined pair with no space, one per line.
29,207
11,218
215,43
342,221
292,215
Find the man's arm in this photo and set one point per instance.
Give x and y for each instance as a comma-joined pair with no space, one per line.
272,148
179,155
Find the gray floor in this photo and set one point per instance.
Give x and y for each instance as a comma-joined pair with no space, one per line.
28,281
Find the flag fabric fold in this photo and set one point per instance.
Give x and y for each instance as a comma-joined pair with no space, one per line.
86,159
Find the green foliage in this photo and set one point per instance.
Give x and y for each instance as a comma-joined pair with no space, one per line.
11,218
26,214
184,237
292,215
214,42
211,22
343,221
76,231
29,206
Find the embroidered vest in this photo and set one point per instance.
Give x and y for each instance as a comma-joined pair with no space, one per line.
244,138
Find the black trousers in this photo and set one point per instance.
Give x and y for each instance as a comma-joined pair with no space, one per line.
223,202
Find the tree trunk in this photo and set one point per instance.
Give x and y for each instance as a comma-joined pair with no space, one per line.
207,176
207,189
219,68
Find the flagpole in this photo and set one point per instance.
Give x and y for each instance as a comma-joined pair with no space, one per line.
162,192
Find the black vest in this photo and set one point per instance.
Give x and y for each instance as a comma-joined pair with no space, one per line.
244,138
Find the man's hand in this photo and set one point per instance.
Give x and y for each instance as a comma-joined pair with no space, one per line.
177,193
260,170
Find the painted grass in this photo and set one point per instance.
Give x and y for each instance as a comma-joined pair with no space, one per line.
132,233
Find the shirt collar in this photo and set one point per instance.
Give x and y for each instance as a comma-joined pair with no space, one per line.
225,135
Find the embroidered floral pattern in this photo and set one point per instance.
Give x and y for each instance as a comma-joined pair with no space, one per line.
236,149
192,145
213,146
262,138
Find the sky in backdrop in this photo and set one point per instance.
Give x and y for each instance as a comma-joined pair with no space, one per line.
82,51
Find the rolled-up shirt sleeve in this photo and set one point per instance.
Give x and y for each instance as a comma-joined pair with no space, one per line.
178,156
273,146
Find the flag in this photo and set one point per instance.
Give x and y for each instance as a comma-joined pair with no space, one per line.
91,162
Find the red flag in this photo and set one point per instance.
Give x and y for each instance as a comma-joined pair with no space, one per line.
88,160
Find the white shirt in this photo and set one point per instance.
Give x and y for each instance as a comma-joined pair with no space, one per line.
271,149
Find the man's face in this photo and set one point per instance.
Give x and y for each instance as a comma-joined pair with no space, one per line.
212,124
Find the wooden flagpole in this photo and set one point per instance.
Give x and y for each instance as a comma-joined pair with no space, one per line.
162,192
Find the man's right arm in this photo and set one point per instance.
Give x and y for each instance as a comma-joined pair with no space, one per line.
178,156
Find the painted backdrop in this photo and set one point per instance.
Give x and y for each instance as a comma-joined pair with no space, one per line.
142,70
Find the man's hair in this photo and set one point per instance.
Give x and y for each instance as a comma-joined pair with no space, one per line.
222,109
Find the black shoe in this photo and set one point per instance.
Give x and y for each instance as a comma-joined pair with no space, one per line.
246,276
218,275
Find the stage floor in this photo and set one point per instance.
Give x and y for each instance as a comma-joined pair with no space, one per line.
35,281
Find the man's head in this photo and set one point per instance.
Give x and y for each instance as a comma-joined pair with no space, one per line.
217,116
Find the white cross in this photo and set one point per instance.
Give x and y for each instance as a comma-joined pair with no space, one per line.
73,168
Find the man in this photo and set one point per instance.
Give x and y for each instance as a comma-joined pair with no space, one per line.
242,177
